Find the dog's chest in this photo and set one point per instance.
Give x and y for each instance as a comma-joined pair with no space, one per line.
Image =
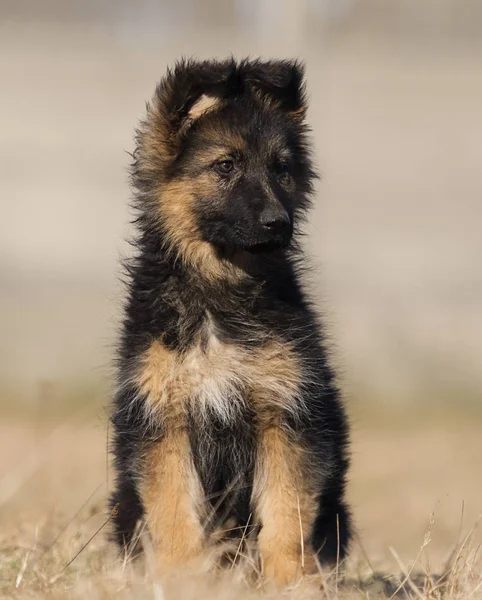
221,377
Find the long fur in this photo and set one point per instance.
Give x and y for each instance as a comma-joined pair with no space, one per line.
219,343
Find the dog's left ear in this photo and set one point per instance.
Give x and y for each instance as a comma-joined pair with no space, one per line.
281,81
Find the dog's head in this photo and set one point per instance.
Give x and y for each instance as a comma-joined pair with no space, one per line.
222,162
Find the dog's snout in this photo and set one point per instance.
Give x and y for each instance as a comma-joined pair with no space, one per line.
274,218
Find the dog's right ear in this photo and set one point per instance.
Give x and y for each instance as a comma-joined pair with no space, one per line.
187,92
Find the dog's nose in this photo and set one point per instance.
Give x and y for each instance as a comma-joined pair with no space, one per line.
274,218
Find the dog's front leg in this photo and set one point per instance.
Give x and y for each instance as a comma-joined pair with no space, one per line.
173,501
284,506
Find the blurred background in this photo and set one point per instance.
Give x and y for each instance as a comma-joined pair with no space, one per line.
395,236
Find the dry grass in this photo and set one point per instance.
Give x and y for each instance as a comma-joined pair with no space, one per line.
54,542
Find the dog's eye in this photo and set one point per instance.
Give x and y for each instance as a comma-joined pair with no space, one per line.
225,166
283,172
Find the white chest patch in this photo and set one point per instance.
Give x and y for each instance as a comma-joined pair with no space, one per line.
220,377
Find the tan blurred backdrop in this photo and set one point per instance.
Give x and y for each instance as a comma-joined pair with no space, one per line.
396,97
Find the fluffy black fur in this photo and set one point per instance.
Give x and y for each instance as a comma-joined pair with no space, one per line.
247,205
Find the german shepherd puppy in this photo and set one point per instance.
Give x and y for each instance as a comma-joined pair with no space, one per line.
226,409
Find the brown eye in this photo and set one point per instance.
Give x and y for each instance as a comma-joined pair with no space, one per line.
225,166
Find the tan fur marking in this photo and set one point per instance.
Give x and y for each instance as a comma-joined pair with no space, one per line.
183,236
285,508
227,140
202,106
276,377
219,376
234,140
157,363
174,501
157,380
156,148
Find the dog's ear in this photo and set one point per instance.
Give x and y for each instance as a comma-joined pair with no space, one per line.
189,90
278,81
186,93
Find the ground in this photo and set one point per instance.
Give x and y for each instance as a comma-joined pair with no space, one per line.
415,489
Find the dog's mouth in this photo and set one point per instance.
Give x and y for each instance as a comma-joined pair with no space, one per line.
268,246
230,240
261,241
256,249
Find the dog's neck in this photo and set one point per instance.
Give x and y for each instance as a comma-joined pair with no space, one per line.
234,275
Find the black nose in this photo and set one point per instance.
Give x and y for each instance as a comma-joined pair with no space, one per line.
274,218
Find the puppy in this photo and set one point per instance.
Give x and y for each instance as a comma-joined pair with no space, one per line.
226,408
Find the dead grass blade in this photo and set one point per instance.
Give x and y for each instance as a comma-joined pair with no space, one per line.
109,518
302,539
71,520
23,568
241,541
408,574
